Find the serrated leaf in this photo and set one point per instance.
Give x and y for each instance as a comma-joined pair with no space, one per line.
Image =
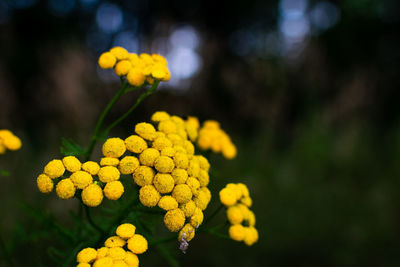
70,148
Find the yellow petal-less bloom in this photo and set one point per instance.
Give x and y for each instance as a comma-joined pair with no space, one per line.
204,177
180,176
92,195
161,142
119,52
234,215
186,233
201,200
119,263
108,174
54,168
194,185
135,144
227,196
113,190
188,208
149,156
81,179
114,147
197,218
108,161
131,259
235,188
44,183
91,167
65,189
164,183
114,241
251,236
143,175
168,151
174,220
181,160
167,127
128,164
149,196
189,147
247,201
126,230
243,188
194,168
182,193
136,77
122,68
237,232
103,262
164,164
146,131
71,163
107,60
86,255
203,162
160,116
102,252
137,244
251,218
168,203
116,253
229,151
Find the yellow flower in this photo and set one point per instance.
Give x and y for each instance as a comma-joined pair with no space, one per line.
197,218
148,156
119,52
229,151
182,193
234,215
135,144
201,200
92,195
149,196
186,233
81,179
54,168
44,183
164,164
247,201
181,160
164,183
159,116
114,147
131,259
108,174
174,220
203,162
9,140
103,262
167,126
108,161
204,177
113,190
168,203
188,208
102,252
161,142
135,77
119,263
122,68
65,189
71,163
237,232
143,175
180,176
227,196
128,164
194,185
91,167
189,147
251,218
137,244
191,131
86,255
116,253
251,236
168,151
175,139
126,230
146,131
114,241
107,60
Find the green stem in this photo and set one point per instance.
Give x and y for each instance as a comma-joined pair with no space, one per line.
213,214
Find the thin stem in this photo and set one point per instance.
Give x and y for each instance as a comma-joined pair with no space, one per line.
213,214
126,114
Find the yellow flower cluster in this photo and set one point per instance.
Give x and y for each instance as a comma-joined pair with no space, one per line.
120,250
138,69
8,141
236,198
211,136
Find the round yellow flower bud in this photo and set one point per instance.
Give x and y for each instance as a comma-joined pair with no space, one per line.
119,52
159,116
149,196
114,241
186,233
159,71
229,151
65,189
13,143
181,160
86,255
191,131
108,174
194,185
81,179
159,59
236,189
119,263
243,188
92,195
174,220
44,183
137,244
143,175
251,236
126,230
237,232
164,164
113,190
128,164
107,60
54,169
146,131
160,134
102,252
194,168
135,144
114,147
201,200
71,163
197,218
103,262
203,162
168,151
206,192
188,208
247,201
122,68
168,203
148,156
164,183
175,139
131,259
180,176
227,196
116,253
182,193
108,161
234,215
91,167
204,177
167,127
135,77
251,218
161,142
189,147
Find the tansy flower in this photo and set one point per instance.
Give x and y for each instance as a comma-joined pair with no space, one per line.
54,168
143,175
180,176
126,230
164,183
137,244
86,255
135,144
160,116
174,220
44,183
81,179
149,196
113,190
114,241
182,193
188,208
107,60
145,130
92,195
128,164
9,141
164,164
65,189
108,161
114,147
91,167
149,156
108,174
71,163
120,53
116,253
168,203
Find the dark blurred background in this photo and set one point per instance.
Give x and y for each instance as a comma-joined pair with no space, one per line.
307,89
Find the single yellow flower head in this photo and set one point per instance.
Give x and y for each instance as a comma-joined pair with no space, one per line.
164,164
181,149
251,236
203,162
91,167
161,142
188,208
143,175
149,196
86,255
65,189
243,188
244,210
181,160
201,200
168,151
81,179
135,144
234,215
131,259
174,220
194,121
103,262
11,142
160,134
191,131
136,77
186,233
71,163
189,147
137,244
102,252
54,168
92,195
108,161
113,190
148,156
159,71
164,183
251,218
247,201
204,177
182,193
44,183
178,120
206,192
146,131
229,151
180,176
119,52
194,168
167,126
119,263
227,196
114,147
108,174
197,218
107,60
116,253
160,116
114,241
237,232
128,164
175,139
126,230
168,203
236,189
122,68
194,185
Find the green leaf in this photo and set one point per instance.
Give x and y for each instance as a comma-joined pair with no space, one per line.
70,148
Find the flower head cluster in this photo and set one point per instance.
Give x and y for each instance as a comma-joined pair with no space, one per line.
119,250
236,198
8,141
138,69
211,136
